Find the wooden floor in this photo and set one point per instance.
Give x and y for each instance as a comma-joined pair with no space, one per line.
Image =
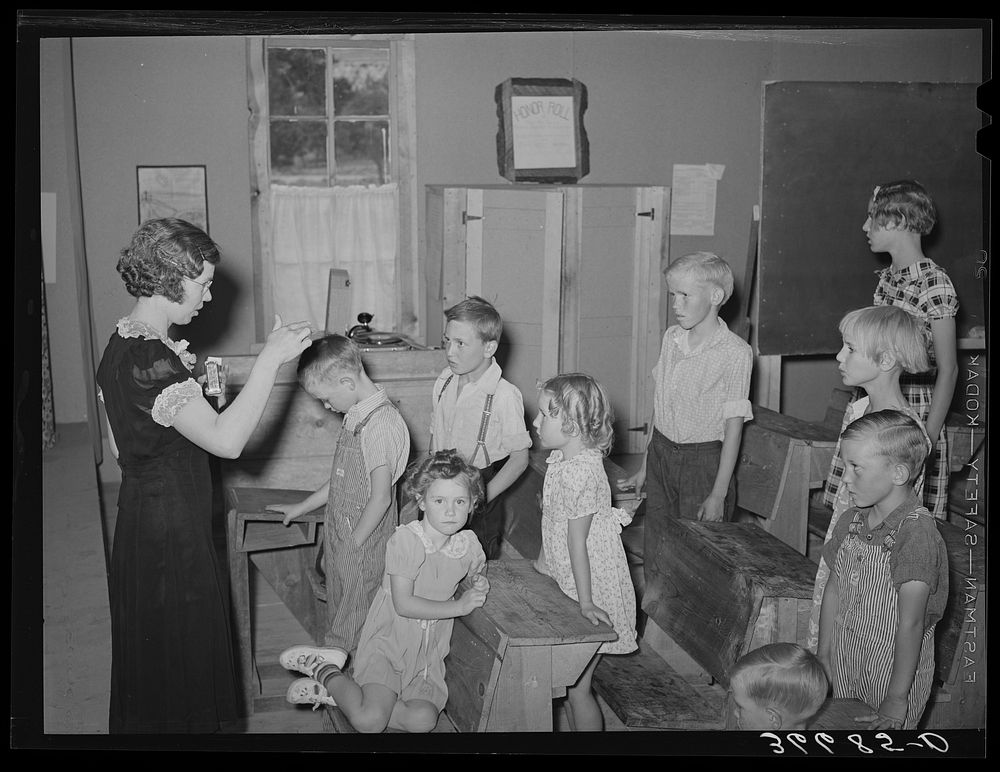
275,629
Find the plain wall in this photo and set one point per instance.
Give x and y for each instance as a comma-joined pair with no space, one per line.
656,98
66,358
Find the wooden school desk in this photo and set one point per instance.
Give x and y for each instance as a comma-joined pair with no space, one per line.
282,555
509,658
781,460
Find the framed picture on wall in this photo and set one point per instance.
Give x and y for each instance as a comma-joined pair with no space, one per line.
541,137
173,191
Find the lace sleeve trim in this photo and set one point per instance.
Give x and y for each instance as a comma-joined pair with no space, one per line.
172,399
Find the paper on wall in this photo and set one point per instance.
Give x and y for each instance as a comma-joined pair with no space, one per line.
692,199
544,132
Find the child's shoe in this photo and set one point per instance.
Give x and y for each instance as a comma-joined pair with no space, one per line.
308,659
306,691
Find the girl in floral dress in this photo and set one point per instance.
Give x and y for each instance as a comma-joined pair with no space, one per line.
581,532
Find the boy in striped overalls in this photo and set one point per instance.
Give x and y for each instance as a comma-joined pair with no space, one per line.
888,582
360,497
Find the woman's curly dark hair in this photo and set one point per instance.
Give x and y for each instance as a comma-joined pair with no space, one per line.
161,253
444,465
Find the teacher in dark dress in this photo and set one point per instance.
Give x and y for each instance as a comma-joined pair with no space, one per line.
173,667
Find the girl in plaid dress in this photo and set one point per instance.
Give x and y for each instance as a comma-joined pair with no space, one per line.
899,214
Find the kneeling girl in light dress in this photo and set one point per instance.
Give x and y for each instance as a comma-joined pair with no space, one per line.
398,678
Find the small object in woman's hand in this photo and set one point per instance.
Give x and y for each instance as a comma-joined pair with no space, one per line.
213,386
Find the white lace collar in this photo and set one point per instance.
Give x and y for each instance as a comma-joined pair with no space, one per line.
133,328
456,546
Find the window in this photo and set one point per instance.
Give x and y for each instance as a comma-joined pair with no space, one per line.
329,130
332,144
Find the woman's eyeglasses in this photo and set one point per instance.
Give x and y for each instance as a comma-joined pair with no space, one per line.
203,284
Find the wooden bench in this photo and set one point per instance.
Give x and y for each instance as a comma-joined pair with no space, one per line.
722,589
781,459
511,657
645,692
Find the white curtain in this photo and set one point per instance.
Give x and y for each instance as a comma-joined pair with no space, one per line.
316,229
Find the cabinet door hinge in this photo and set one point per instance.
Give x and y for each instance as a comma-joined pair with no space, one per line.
466,217
651,214
642,428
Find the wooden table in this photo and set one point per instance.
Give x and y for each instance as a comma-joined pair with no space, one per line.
281,555
510,658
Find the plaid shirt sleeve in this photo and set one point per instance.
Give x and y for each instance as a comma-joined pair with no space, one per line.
937,298
929,294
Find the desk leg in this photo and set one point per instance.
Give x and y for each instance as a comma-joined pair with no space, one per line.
239,584
568,661
522,701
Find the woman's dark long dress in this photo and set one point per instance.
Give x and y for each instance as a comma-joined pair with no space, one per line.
173,668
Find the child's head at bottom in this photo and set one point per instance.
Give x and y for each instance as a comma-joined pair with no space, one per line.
447,489
777,686
583,408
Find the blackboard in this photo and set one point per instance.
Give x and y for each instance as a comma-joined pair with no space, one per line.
825,146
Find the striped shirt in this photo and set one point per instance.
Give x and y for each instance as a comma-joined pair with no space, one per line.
697,390
385,440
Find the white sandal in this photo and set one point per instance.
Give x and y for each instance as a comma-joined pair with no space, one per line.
306,691
308,659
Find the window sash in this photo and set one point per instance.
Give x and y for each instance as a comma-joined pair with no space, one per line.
410,301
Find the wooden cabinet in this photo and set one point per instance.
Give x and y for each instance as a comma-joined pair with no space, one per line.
575,271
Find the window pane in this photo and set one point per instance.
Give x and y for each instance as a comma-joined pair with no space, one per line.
360,81
296,81
360,148
298,152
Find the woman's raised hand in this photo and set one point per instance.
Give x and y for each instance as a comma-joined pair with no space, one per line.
285,342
